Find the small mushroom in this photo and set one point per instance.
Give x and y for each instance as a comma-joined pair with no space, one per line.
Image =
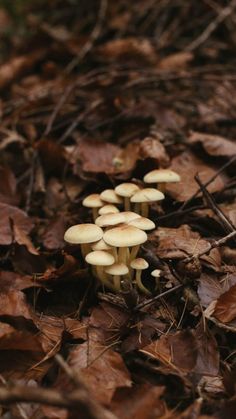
83,234
144,197
110,196
108,209
143,223
126,190
117,270
123,237
161,177
130,216
93,201
156,274
99,259
139,265
108,220
101,245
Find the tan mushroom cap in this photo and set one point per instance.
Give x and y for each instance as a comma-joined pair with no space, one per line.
147,195
99,258
126,189
108,209
117,269
161,176
110,219
156,273
130,215
143,223
83,233
124,236
110,196
139,264
93,201
100,245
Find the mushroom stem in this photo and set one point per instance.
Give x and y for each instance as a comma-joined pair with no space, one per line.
161,187
104,278
122,255
85,249
134,252
139,283
95,213
137,207
144,209
116,281
127,203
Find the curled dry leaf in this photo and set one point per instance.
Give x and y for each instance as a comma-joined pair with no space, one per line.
214,145
21,224
225,308
53,237
153,148
187,165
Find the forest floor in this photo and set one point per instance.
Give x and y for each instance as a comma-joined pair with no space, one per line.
94,94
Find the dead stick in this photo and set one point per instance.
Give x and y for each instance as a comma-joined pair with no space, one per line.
157,297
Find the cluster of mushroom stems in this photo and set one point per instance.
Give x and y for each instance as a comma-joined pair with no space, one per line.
111,245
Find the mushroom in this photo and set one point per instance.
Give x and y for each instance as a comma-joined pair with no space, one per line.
123,237
139,265
83,234
142,223
161,177
144,197
93,201
117,270
110,196
108,220
130,215
108,209
99,259
156,274
101,245
126,190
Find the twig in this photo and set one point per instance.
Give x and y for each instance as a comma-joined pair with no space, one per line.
212,245
93,37
212,26
157,297
221,169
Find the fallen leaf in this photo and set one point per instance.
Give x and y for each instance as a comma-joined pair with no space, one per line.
7,186
53,237
176,61
21,222
187,165
225,309
214,145
153,148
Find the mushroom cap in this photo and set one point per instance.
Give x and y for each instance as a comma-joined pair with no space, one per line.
93,201
130,215
83,233
156,273
124,236
139,264
126,189
108,209
143,223
100,245
110,196
107,220
161,176
147,195
99,258
117,269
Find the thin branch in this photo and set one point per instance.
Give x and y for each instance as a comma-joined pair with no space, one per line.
157,297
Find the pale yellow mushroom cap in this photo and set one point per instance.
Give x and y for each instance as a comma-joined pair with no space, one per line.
143,223
126,189
156,273
100,245
99,258
110,219
108,209
147,195
117,269
130,215
93,201
110,196
124,236
139,264
161,176
83,233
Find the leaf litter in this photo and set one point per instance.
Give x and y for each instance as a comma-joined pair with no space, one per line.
90,98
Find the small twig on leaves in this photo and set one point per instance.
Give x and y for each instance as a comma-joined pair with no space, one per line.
224,13
93,37
221,169
157,297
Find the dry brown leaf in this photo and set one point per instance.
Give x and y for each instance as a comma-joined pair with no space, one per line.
176,61
188,165
225,309
214,145
22,224
153,148
53,237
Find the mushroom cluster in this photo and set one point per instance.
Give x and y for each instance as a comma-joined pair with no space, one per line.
111,245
